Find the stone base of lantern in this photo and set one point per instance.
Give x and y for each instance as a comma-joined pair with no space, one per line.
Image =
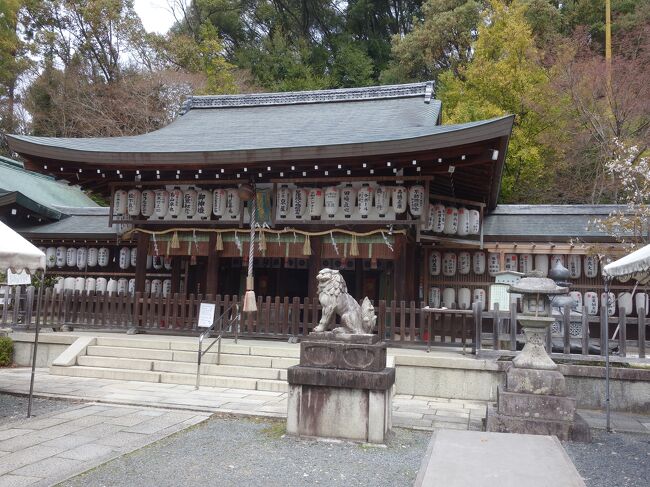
536,402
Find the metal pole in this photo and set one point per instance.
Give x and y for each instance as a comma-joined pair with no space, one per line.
38,322
608,427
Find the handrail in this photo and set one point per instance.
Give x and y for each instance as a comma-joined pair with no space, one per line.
207,333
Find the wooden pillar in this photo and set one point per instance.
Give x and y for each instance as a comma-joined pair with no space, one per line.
314,266
400,290
176,273
141,261
212,271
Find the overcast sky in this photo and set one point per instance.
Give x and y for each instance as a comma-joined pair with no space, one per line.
155,14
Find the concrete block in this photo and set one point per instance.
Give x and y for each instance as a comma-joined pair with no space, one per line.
114,362
536,406
536,381
106,373
282,362
133,343
377,417
272,385
69,356
137,353
293,409
284,351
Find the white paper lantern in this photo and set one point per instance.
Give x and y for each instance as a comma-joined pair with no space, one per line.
591,266
157,262
416,200
166,287
133,202
147,286
190,200
331,201
625,302
147,202
511,262
149,262
464,298
299,202
641,301
103,256
125,258
60,256
541,264
79,284
233,203
526,263
435,263
156,287
119,202
474,222
58,284
348,201
93,256
68,284
556,258
479,297
161,203
132,287
101,284
577,300
122,286
463,222
464,262
90,284
134,257
111,287
50,257
591,303
451,220
448,297
219,202
439,211
82,258
574,264
611,302
316,201
494,264
449,261
434,297
400,199
382,200
204,204
431,216
167,263
71,257
364,198
175,203
478,262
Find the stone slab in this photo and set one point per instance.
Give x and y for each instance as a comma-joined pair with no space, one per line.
343,355
576,430
330,336
70,354
532,381
538,406
472,458
348,379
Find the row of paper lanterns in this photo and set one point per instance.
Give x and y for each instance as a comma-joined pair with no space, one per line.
157,287
463,299
83,257
190,203
452,221
450,263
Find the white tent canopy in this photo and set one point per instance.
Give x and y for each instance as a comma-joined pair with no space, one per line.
635,265
17,254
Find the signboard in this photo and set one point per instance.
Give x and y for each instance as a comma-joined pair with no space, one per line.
206,315
18,279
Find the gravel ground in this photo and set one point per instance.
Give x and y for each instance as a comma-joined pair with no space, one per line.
14,408
237,452
613,459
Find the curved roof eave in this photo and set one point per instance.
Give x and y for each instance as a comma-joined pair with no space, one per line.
439,138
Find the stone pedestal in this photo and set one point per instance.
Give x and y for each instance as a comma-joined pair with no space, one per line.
341,389
535,401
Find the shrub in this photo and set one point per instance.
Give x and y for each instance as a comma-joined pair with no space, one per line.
6,351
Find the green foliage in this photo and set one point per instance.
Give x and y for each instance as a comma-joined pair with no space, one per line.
6,351
506,77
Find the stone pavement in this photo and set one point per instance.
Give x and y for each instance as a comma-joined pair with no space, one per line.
43,450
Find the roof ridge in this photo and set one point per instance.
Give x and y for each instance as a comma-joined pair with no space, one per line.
424,89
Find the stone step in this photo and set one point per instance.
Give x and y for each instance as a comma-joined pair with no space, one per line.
106,373
114,362
220,370
126,352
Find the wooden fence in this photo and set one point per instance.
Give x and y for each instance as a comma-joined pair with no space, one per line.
399,322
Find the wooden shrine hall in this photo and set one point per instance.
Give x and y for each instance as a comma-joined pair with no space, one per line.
365,180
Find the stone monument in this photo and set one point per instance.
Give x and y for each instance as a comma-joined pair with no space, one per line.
535,398
342,387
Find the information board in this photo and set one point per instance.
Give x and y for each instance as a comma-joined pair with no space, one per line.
206,315
19,278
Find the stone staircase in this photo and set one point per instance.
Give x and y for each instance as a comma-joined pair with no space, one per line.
251,365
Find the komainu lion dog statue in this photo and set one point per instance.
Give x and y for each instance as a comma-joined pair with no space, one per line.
334,298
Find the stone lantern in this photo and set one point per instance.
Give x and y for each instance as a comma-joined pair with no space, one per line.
535,399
